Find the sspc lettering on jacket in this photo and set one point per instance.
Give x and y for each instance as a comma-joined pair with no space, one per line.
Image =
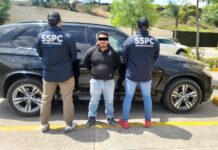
52,39
144,42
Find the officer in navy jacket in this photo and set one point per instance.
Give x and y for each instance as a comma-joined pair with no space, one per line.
139,55
58,52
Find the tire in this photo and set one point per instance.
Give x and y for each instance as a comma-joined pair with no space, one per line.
182,95
181,52
24,97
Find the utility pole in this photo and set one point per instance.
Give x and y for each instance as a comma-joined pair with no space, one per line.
197,34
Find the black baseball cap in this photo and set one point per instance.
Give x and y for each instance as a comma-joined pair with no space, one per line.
143,23
53,18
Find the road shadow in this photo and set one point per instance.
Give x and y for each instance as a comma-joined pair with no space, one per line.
98,134
102,131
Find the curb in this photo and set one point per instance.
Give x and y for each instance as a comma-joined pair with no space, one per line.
214,69
215,100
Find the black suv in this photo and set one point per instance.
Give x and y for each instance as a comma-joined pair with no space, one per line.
179,82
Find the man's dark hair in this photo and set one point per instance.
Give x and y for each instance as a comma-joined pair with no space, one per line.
143,23
53,18
103,32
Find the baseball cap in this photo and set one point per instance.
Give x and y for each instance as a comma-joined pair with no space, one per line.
143,23
53,18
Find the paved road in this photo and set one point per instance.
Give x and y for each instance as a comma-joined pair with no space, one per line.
196,130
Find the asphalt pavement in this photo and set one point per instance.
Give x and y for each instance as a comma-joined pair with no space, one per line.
197,130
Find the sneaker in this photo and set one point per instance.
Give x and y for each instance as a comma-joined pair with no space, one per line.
124,124
44,127
90,122
111,122
147,123
70,127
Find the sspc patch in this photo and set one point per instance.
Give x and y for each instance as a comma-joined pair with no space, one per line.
52,39
144,42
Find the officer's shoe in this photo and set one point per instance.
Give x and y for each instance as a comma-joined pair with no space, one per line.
147,123
45,127
123,123
90,122
111,122
70,127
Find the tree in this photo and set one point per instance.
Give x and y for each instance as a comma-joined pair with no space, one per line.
4,7
211,14
125,13
174,11
186,12
211,1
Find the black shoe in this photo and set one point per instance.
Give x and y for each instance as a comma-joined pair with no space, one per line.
111,122
90,122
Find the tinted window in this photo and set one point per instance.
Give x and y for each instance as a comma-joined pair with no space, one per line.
27,38
79,35
116,39
4,30
165,41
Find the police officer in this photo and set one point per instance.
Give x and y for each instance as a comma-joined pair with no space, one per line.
58,52
139,54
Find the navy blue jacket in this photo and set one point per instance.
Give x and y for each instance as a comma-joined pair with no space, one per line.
139,54
58,51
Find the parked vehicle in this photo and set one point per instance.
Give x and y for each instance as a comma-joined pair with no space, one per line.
171,46
179,82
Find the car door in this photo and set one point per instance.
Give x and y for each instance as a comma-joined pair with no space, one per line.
24,42
80,35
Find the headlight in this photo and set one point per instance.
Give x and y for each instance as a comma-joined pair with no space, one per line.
207,71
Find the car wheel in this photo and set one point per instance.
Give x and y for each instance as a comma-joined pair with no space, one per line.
180,52
24,97
182,95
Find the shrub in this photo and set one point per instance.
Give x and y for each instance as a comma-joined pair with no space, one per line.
212,62
4,7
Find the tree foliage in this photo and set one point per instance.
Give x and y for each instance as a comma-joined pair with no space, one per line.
125,13
174,11
4,7
186,12
211,14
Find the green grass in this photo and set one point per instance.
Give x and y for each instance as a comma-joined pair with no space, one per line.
169,24
164,22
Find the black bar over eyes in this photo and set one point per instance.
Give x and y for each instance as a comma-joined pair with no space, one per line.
103,39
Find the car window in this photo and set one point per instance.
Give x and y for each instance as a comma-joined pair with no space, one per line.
27,38
116,39
79,35
4,30
165,41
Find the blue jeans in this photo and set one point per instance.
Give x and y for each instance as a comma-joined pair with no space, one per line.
96,89
129,93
